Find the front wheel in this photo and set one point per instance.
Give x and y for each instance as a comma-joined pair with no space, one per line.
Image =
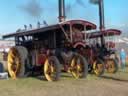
79,66
98,67
111,66
52,68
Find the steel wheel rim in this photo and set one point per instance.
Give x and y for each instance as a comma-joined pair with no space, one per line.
49,70
76,68
14,63
98,68
111,66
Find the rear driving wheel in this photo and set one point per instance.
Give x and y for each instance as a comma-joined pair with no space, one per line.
79,66
16,61
98,67
52,68
112,66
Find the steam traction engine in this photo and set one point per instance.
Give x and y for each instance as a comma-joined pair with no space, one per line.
43,50
47,47
105,52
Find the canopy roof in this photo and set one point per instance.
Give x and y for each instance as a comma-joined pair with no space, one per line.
88,25
108,32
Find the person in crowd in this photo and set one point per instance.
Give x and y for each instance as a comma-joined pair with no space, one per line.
123,58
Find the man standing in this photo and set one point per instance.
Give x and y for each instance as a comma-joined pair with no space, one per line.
123,58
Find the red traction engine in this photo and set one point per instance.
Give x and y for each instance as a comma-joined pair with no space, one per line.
48,50
102,56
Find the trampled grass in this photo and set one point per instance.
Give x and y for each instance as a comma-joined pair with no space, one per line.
66,86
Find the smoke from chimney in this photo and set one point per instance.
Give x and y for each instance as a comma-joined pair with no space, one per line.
94,1
32,8
81,3
68,9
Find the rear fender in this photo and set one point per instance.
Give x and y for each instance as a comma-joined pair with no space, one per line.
82,44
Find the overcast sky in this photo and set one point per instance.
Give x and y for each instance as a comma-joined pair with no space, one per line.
16,13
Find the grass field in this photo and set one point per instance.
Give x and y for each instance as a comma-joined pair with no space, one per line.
107,85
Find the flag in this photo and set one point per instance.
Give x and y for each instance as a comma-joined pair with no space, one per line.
94,1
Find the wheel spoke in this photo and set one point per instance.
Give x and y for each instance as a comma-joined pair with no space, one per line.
14,62
51,69
78,67
111,66
98,67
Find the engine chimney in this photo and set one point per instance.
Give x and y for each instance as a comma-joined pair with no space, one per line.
101,14
61,10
